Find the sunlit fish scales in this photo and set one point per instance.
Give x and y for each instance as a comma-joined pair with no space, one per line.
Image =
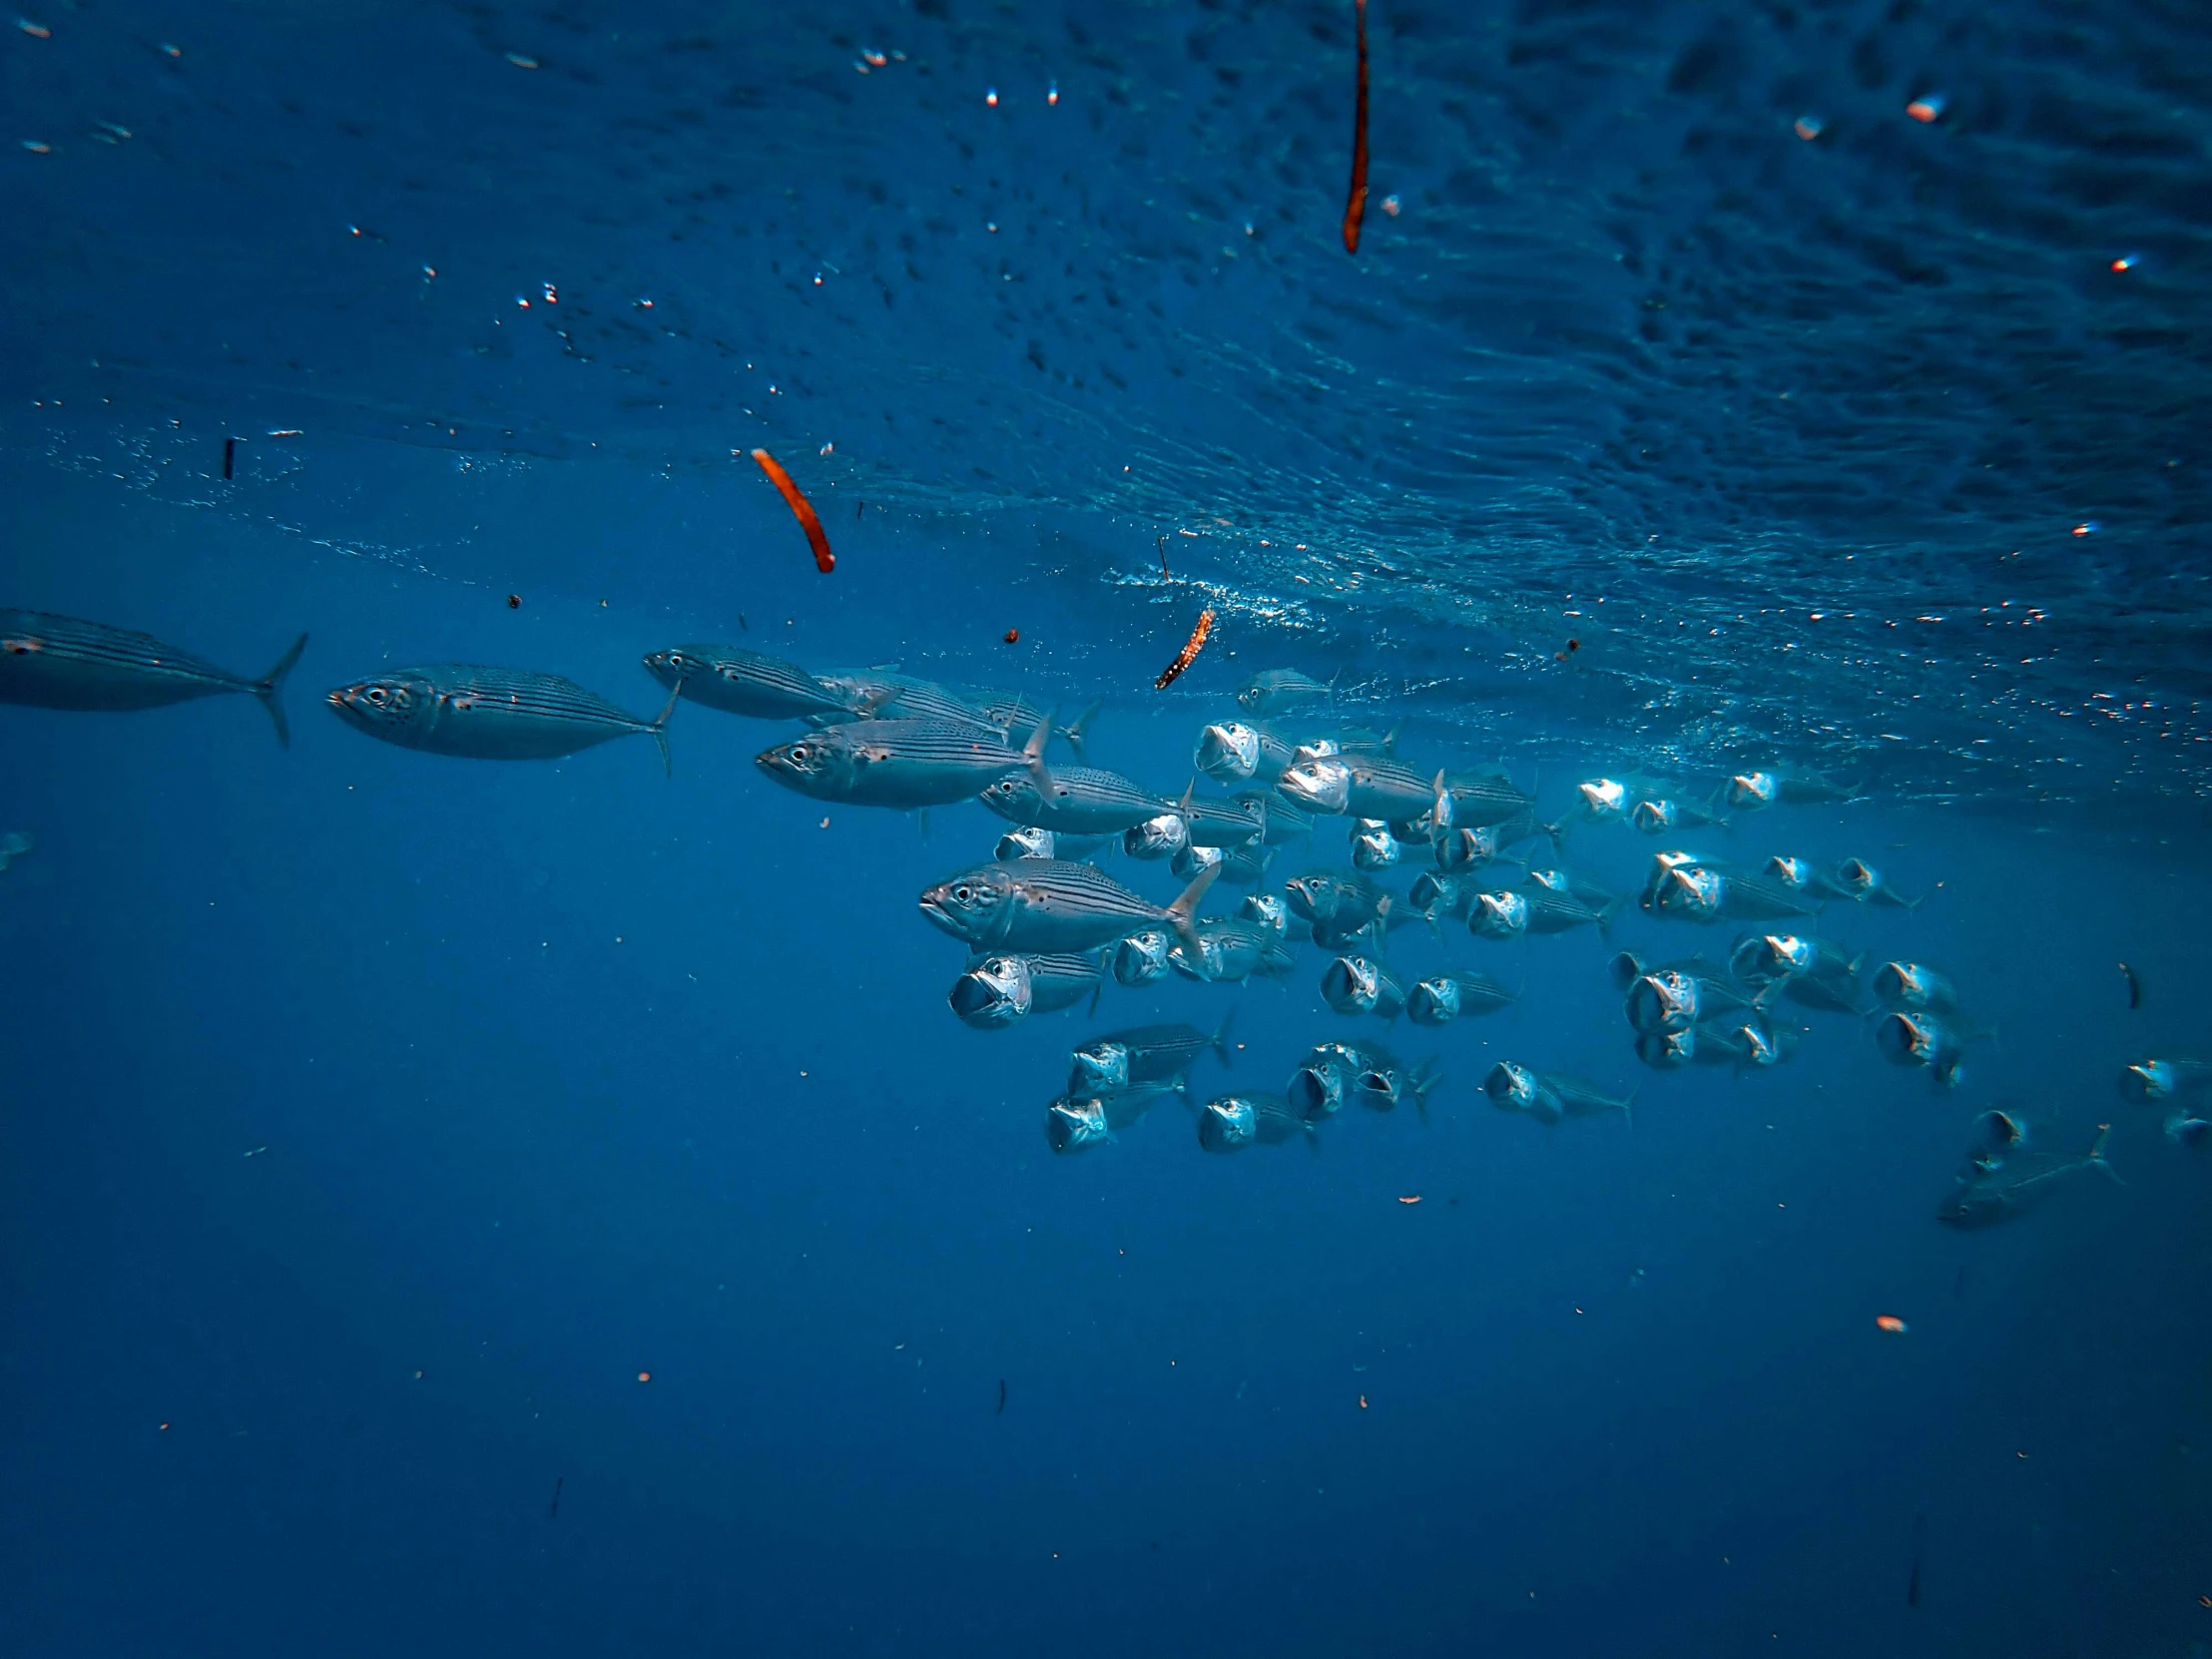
1082,800
753,683
60,662
898,763
489,714
1050,905
998,990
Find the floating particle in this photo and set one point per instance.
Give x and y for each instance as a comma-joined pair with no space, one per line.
1052,92
991,97
551,298
110,133
1356,204
1929,107
829,449
429,274
1409,1198
2126,261
287,432
1390,206
645,1377
825,825
38,148
2088,527
874,58
1890,1323
169,51
1189,653
802,509
523,299
1572,647
1807,126
37,31
521,62
1363,1403
1013,636
2135,987
514,602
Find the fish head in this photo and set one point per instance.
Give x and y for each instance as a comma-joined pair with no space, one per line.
1157,838
813,765
1211,961
1909,985
976,905
1603,797
1318,749
1076,1124
1373,846
1268,910
1654,817
2148,1080
1910,1039
1099,1068
1433,1001
1228,1124
1228,753
1792,873
1187,864
995,992
1512,1087
1667,1051
1764,1044
392,706
1749,790
1142,957
1459,850
1375,1085
674,666
1857,878
1317,1087
1555,880
2000,1131
1025,842
1351,984
1498,916
1014,797
1972,1204
1692,891
1252,696
1431,891
1625,970
1314,895
1665,999
1317,783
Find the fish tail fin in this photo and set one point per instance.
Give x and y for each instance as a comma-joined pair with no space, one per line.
1606,916
1427,1076
269,688
659,727
1629,1109
2096,1155
1183,912
1078,732
1032,752
1218,1041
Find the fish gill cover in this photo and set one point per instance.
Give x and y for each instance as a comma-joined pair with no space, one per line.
472,1178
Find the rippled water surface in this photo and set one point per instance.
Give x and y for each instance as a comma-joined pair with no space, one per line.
452,1205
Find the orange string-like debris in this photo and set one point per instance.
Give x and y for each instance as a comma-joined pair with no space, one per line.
1356,205
802,509
1189,653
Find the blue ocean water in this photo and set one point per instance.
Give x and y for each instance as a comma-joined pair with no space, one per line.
548,1206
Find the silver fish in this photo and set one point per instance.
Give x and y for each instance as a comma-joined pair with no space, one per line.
1920,1037
899,763
1081,799
1549,1096
1230,752
1813,972
1373,846
998,990
1658,816
1144,1054
1913,985
1076,1123
1334,1074
1801,875
1326,895
1536,907
1240,866
1028,841
753,683
1443,998
1274,690
1159,836
60,662
1236,1121
1749,790
1363,985
1377,786
1706,892
1232,951
489,714
1050,905
2019,1184
1746,1040
1268,910
1682,994
1863,883
2172,1075
1142,957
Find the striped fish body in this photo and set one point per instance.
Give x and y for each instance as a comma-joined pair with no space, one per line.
1236,1121
901,763
1083,801
1443,998
995,992
1274,690
1223,822
1380,787
742,681
489,713
1482,799
59,662
1045,906
1232,951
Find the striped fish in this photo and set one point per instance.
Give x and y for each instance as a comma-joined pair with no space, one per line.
489,714
1085,801
900,763
60,662
998,990
1048,904
742,681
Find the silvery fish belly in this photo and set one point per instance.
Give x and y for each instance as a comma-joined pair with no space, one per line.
487,713
60,662
1083,801
1327,894
902,763
1549,1096
1239,867
2169,1075
1234,752
1531,908
1443,998
1142,957
998,990
1048,904
1866,884
1322,1081
742,681
1363,985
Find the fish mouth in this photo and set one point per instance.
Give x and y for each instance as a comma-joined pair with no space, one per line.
1666,1050
938,911
1229,753
1658,1003
1309,785
1509,1086
1602,797
1432,1002
1651,817
1314,1091
990,996
1225,1125
1072,1125
2147,1080
1497,914
1903,1041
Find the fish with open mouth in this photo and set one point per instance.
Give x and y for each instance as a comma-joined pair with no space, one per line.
1657,814
1363,985
1231,1122
62,662
1925,1037
1863,883
1443,998
1679,995
1078,1122
1026,840
1550,1096
489,714
2171,1074
1914,985
751,683
1801,875
1051,904
1747,1039
1142,957
1231,950
1144,1054
1535,906
1746,792
1335,1075
1815,971
900,763
998,990
1692,889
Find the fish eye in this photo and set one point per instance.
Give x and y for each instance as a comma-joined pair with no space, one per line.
963,893
377,694
799,752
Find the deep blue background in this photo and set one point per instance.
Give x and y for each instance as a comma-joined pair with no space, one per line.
570,1072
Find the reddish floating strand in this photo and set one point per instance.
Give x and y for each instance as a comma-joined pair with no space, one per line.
802,509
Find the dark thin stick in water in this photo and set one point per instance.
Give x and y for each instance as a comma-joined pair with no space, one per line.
1919,1535
1163,558
2135,985
230,458
554,1512
1001,1412
860,509
1356,204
